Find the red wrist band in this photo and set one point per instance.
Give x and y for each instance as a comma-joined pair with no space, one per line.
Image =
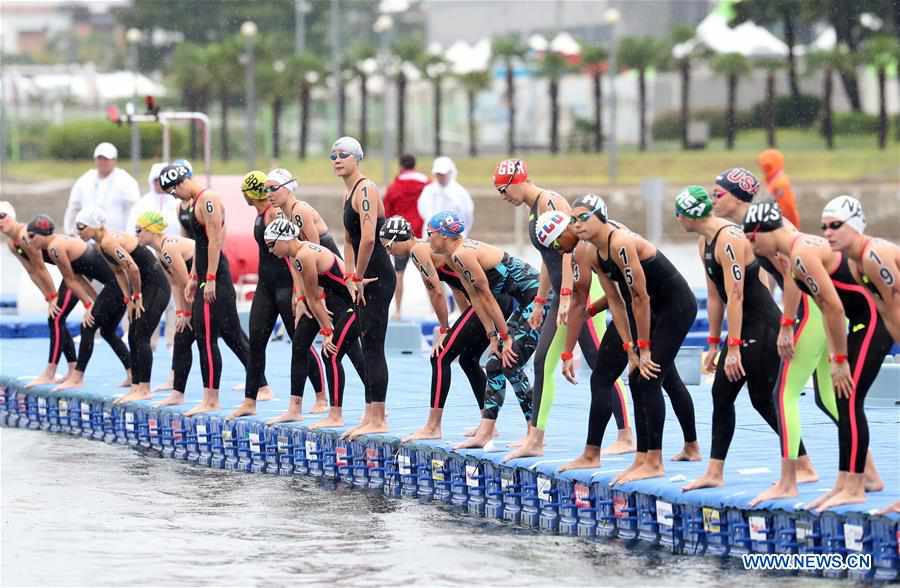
87,305
300,298
565,292
502,335
540,300
565,355
50,297
136,296
210,277
356,278
735,342
322,295
326,332
626,346
713,340
126,300
787,321
643,343
443,330
839,358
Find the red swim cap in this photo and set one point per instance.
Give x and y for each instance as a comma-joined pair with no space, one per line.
510,171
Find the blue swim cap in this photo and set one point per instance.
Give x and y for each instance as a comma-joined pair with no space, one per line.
187,164
447,224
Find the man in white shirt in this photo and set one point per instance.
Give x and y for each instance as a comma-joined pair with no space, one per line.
107,187
445,193
157,201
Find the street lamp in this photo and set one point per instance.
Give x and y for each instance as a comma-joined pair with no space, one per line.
382,27
435,71
134,36
248,33
612,17
300,10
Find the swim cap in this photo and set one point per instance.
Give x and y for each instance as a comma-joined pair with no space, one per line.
41,225
350,145
847,209
281,229
447,223
509,172
252,185
284,178
155,170
740,182
7,207
172,175
693,202
396,228
152,221
92,217
593,203
763,217
549,226
186,164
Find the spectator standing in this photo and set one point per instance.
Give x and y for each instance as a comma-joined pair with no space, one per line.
155,200
444,193
402,199
107,187
771,161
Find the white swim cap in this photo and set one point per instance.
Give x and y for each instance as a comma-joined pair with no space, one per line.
281,176
155,170
7,207
549,226
92,217
847,209
281,229
350,145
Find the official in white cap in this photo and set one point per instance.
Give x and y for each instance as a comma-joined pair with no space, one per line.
156,200
107,187
445,193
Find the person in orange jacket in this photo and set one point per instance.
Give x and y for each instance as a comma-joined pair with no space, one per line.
778,184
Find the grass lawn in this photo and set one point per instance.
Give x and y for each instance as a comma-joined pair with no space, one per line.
855,158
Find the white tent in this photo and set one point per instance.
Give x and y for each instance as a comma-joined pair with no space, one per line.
748,39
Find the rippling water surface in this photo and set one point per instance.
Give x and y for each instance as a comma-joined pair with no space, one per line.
79,512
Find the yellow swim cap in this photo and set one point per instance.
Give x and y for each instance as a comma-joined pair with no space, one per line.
152,221
253,184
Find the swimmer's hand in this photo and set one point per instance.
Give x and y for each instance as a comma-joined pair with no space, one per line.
88,319
209,292
840,377
568,370
53,308
537,316
786,342
190,290
649,369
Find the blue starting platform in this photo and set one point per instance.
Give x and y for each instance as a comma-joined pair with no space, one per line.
530,492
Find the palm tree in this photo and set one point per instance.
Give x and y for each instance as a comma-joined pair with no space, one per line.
882,52
360,54
830,62
192,76
473,82
508,49
408,52
306,71
435,66
553,66
771,66
688,51
732,66
640,53
224,67
596,62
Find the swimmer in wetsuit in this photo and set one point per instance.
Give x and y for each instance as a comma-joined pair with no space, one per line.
512,182
324,307
79,263
734,289
60,301
653,309
277,288
371,277
146,290
214,311
830,279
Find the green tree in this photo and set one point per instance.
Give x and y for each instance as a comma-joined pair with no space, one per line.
596,62
732,66
830,62
224,68
306,70
688,52
641,54
359,53
473,83
882,52
192,77
507,50
435,67
408,51
553,66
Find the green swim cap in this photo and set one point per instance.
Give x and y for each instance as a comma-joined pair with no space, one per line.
693,202
152,221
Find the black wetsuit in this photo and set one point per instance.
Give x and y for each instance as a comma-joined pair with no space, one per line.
759,338
673,309
155,295
346,332
587,341
374,315
107,310
868,342
219,318
61,342
273,297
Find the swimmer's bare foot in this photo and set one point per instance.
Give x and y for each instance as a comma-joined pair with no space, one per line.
705,481
43,379
169,385
589,459
624,443
638,461
780,490
871,477
690,452
206,406
174,397
374,426
895,507
472,431
288,417
328,422
134,394
842,497
126,382
874,486
644,472
530,448
474,442
806,473
425,432
74,382
264,393
320,406
245,408
817,503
